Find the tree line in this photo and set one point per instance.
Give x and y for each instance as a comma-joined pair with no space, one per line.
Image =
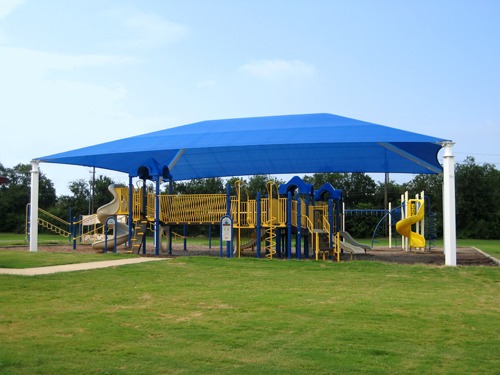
477,196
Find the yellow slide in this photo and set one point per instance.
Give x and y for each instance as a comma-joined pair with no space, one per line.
403,227
103,213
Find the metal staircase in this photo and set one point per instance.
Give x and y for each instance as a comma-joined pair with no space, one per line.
139,233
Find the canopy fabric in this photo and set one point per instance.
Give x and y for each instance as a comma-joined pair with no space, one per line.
286,144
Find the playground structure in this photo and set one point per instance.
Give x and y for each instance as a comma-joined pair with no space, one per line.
274,218
290,220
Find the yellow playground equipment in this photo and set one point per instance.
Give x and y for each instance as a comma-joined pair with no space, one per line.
270,218
274,221
415,210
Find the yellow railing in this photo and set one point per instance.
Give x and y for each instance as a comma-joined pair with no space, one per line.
89,235
136,205
62,221
280,210
190,209
53,228
303,222
314,235
247,217
56,228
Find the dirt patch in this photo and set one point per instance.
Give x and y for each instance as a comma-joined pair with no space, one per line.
465,256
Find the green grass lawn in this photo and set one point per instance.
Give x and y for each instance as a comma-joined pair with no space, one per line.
12,239
206,315
16,259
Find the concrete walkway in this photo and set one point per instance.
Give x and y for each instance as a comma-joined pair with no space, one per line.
75,267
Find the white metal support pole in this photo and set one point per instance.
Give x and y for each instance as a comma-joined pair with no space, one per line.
449,219
35,178
343,216
390,225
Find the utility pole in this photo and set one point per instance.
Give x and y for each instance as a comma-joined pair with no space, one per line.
92,193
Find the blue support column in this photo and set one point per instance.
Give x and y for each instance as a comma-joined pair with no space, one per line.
144,212
330,221
307,236
259,225
299,229
157,217
130,210
80,227
170,191
289,225
73,232
70,225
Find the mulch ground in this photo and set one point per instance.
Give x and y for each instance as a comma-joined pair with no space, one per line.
465,256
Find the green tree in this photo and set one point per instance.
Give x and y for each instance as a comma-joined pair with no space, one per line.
254,184
101,191
15,196
212,185
432,186
80,199
477,200
477,195
357,188
394,191
319,179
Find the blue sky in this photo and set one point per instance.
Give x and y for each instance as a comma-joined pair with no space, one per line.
77,73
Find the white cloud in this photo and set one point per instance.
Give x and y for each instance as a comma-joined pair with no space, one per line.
8,6
144,30
43,109
279,69
31,61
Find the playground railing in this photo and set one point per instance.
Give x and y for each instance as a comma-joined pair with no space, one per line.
88,236
192,208
314,234
49,221
276,208
247,214
136,205
53,228
150,206
52,216
281,211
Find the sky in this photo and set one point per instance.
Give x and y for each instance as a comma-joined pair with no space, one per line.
78,73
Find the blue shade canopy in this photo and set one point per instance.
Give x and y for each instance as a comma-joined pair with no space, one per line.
286,144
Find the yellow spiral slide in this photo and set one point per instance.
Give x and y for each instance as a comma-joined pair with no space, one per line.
403,227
